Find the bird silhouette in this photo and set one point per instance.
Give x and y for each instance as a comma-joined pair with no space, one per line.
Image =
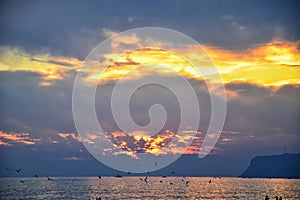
99,177
209,181
187,183
49,179
146,179
35,176
22,181
18,170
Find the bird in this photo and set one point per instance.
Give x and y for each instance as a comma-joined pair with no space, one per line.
99,177
171,183
22,181
209,181
172,172
128,172
35,176
160,181
18,170
141,179
146,179
187,183
49,179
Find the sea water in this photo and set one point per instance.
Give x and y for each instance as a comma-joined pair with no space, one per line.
137,188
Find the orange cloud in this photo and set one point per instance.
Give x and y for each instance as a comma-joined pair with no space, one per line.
70,135
15,138
48,66
141,142
272,64
4,143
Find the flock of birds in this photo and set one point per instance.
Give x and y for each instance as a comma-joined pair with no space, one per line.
171,183
19,170
117,176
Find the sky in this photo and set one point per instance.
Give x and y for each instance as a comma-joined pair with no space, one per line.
254,45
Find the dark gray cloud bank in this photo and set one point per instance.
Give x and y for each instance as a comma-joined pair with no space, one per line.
74,28
260,120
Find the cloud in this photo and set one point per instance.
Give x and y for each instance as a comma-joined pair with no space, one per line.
7,139
262,84
270,64
108,33
199,20
131,19
49,67
46,114
71,158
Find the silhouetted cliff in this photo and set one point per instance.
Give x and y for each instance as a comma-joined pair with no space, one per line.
274,166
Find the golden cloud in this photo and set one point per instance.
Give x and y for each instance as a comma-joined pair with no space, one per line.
159,144
273,64
11,138
49,67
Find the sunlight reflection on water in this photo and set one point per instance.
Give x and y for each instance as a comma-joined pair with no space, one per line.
134,188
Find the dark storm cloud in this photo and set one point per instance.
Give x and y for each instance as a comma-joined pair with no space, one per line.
26,104
266,117
73,29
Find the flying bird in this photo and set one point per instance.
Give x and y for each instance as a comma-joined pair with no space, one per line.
146,179
187,183
49,179
18,170
22,181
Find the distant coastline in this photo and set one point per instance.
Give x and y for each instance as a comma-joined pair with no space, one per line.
274,166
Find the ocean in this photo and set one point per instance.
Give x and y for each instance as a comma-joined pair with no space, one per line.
156,188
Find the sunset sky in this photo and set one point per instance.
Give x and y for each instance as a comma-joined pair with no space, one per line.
255,46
